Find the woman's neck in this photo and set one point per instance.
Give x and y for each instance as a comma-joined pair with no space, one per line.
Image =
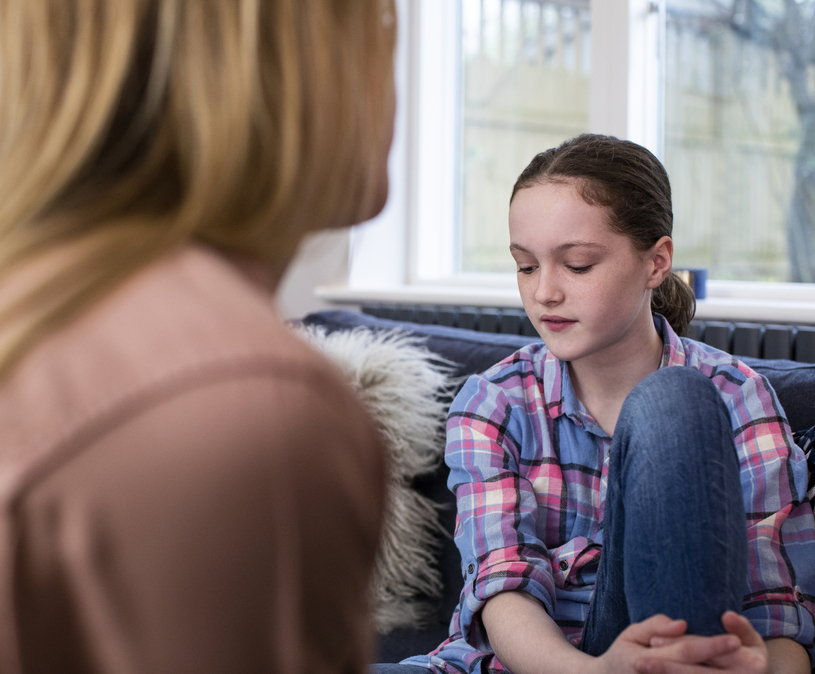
603,381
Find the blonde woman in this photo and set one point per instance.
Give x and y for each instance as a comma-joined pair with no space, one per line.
184,486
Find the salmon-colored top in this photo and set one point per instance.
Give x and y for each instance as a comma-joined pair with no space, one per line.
185,487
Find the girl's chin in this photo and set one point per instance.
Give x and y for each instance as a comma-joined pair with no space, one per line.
565,354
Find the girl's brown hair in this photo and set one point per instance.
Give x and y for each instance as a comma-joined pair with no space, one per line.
130,127
633,186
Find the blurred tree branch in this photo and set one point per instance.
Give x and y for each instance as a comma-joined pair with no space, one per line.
788,28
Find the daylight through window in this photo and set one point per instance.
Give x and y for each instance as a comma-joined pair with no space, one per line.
739,120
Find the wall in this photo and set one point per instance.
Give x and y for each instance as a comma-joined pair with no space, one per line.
321,260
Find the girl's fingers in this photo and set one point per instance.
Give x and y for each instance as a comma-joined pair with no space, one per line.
733,624
656,625
671,628
693,650
649,666
741,627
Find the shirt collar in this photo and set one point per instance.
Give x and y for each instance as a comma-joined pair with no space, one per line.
673,350
573,408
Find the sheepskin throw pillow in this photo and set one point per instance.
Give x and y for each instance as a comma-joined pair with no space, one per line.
402,384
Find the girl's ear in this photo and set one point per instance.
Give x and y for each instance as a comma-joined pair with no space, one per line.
660,257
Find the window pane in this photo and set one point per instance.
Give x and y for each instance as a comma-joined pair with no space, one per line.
525,88
740,136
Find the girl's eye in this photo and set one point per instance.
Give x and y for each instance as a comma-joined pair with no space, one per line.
526,270
579,270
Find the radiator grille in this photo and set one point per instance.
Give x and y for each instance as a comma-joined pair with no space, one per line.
756,340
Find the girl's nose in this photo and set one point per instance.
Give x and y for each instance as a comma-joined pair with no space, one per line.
548,290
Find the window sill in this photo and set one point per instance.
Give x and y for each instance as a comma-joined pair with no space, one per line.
423,294
718,305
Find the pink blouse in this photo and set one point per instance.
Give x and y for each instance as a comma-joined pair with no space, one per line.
185,487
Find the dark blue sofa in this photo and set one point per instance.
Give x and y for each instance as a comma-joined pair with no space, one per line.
473,352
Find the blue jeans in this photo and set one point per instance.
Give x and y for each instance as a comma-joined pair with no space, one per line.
675,533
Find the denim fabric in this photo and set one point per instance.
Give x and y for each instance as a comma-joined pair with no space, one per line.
674,538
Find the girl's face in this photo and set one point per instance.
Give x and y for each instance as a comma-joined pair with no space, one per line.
584,286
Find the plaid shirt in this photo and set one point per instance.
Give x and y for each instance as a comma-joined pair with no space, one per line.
529,469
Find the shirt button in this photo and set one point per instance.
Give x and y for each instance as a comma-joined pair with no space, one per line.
800,597
563,565
471,568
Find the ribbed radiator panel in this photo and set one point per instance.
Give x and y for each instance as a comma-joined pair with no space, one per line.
757,340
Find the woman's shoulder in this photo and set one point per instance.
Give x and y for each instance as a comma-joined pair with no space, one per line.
191,306
189,321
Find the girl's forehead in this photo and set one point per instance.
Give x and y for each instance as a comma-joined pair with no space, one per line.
553,219
555,207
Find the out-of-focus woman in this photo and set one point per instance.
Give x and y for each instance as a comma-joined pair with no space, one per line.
184,486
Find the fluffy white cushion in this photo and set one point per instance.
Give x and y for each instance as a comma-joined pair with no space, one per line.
401,382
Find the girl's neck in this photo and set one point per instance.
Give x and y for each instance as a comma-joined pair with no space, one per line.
603,381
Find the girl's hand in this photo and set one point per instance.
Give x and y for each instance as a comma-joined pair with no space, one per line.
632,649
671,655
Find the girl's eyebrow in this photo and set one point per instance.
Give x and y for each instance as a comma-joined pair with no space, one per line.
562,248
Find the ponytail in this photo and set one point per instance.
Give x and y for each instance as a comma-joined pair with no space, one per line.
675,300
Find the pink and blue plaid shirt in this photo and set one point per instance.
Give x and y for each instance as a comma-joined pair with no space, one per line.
529,470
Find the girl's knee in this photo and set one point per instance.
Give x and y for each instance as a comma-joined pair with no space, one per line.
672,408
679,393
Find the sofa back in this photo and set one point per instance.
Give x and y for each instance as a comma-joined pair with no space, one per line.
474,351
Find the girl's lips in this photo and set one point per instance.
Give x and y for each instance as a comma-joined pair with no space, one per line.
556,323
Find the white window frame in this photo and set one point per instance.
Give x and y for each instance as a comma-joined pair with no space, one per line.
408,253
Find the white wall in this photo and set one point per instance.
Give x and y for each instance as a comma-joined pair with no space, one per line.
324,258
321,260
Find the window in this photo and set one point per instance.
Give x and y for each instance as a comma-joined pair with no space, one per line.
740,136
485,84
525,70
498,81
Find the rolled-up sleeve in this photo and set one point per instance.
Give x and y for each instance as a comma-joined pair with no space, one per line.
496,529
780,524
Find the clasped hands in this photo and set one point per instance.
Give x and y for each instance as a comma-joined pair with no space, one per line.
660,645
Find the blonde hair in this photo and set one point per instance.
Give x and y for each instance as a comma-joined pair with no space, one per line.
129,127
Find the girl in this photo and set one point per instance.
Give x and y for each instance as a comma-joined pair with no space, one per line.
628,500
167,500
